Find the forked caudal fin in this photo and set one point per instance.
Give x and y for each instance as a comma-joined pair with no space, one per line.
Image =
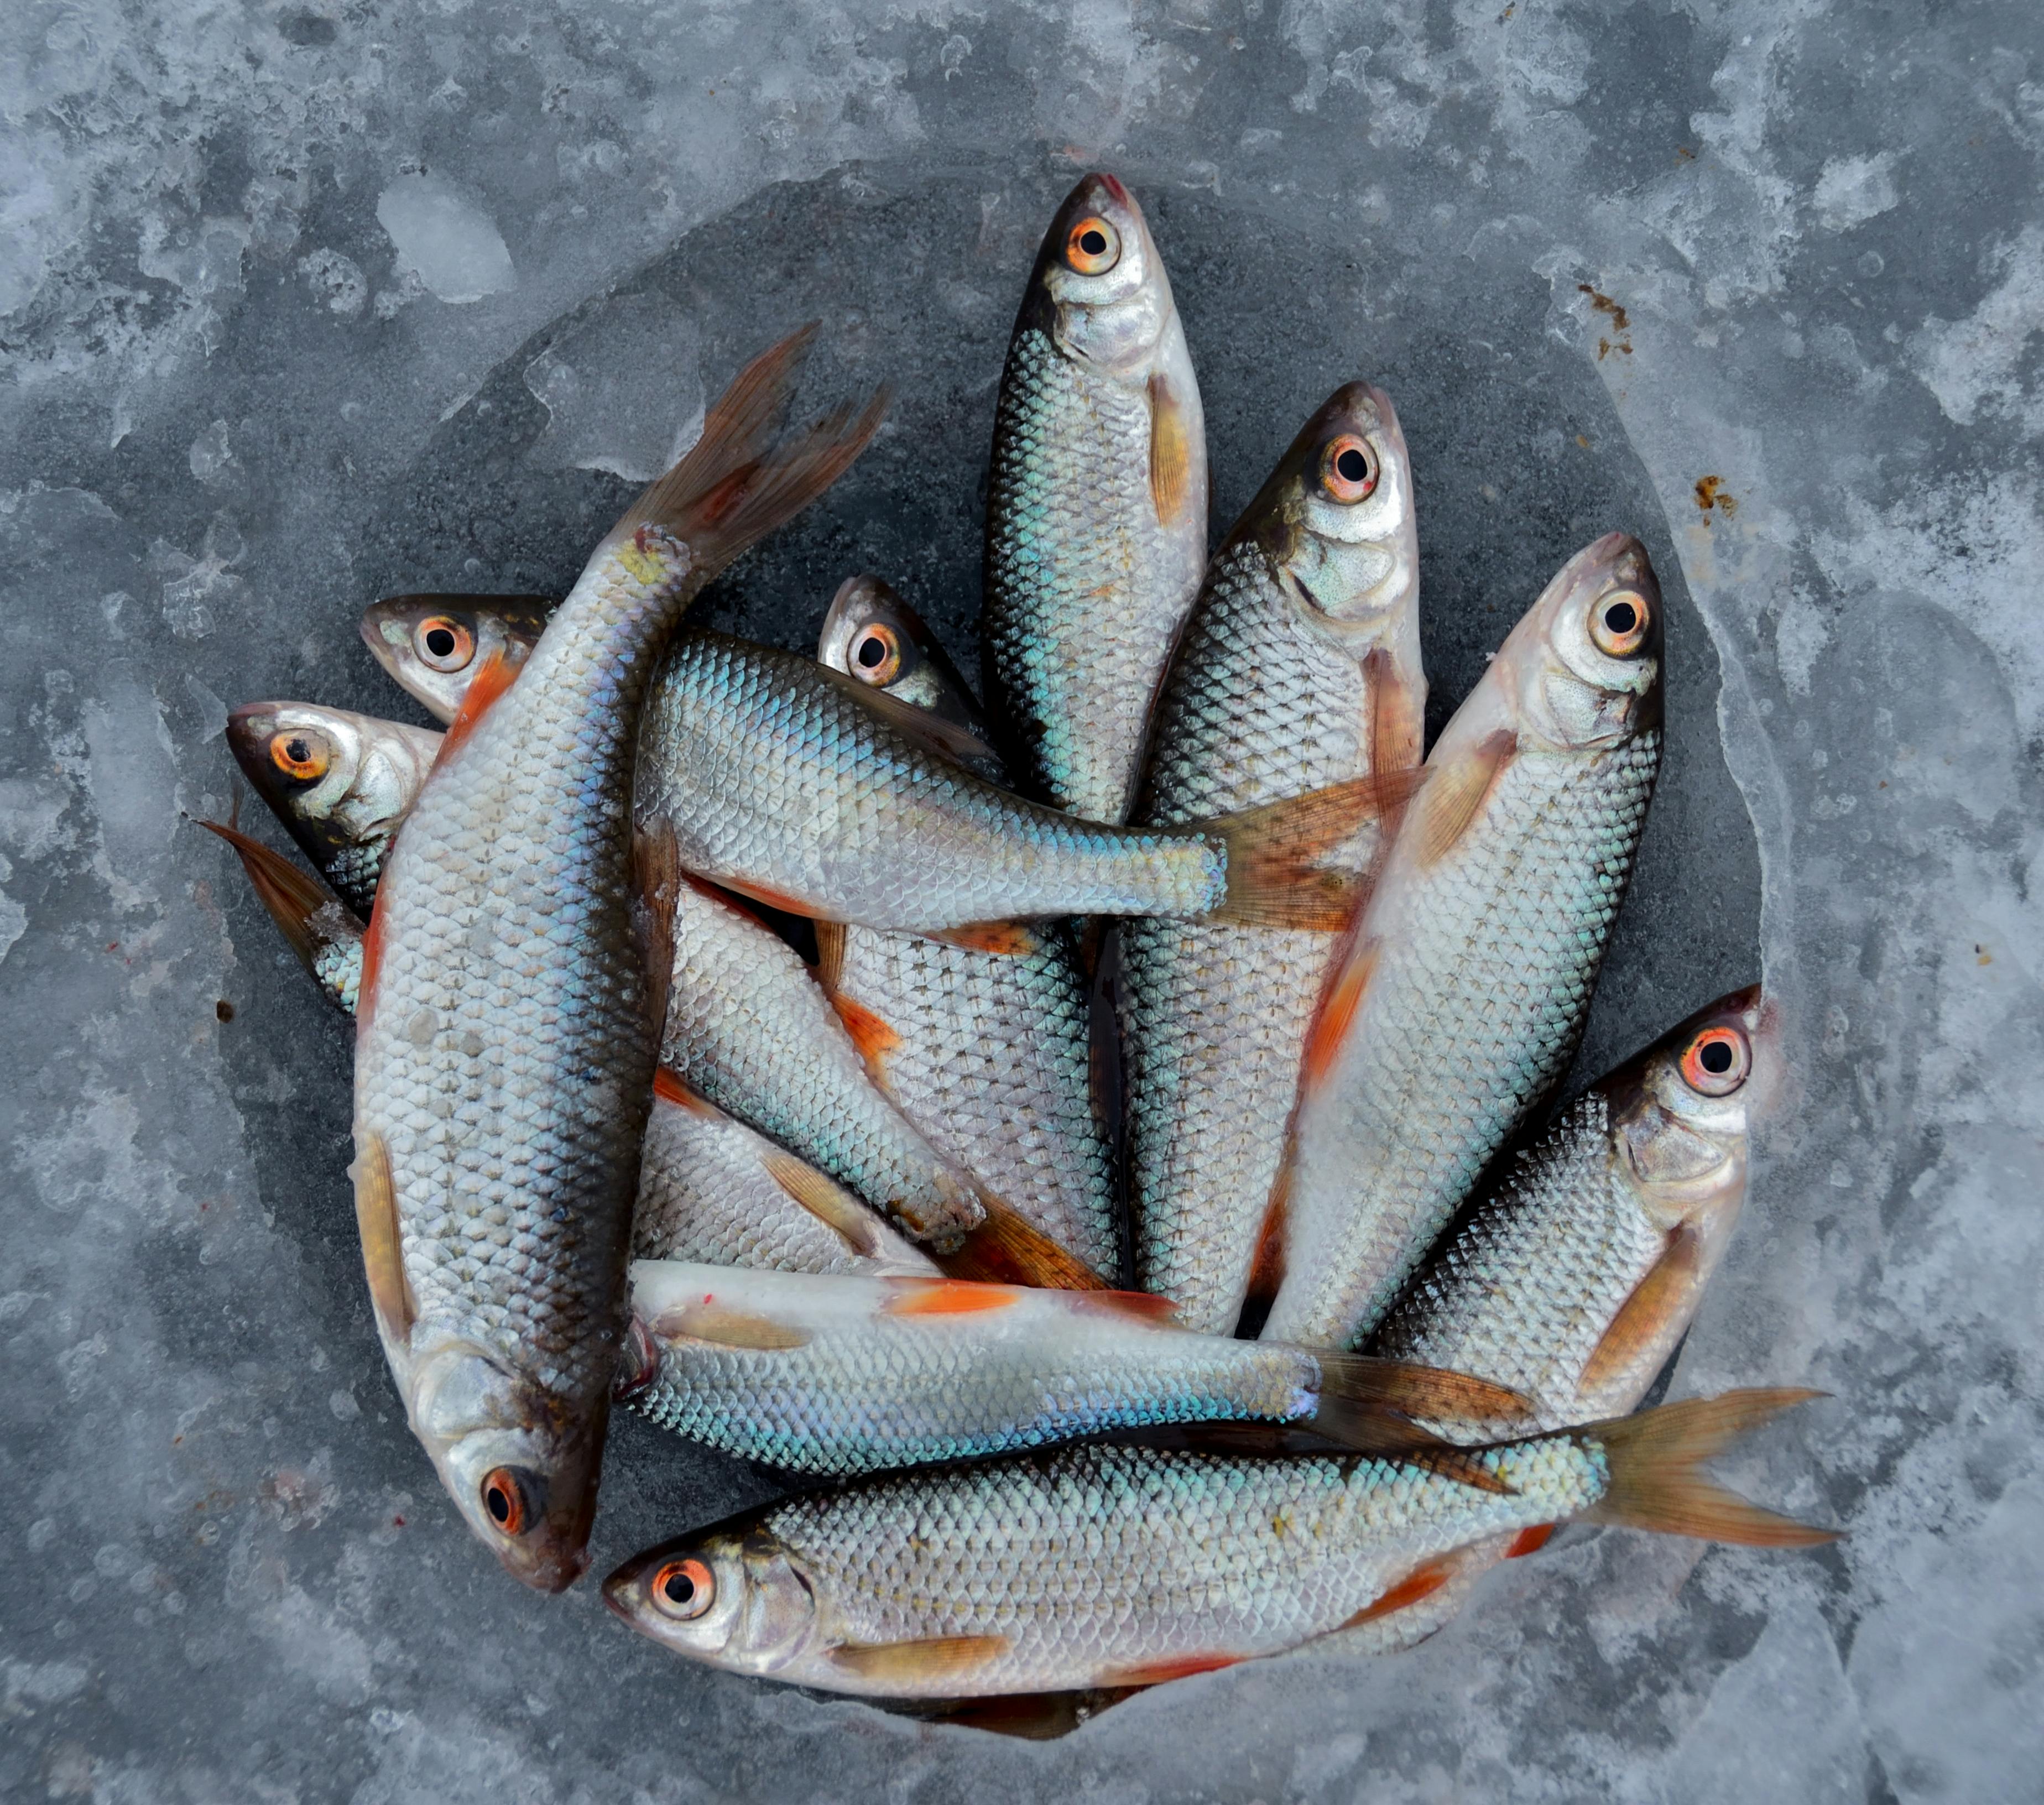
1275,876
1657,1477
729,492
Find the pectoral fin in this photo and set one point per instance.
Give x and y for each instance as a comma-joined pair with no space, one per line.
1670,1283
1170,450
929,1664
382,1244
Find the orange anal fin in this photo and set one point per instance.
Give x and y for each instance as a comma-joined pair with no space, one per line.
929,1664
733,892
1009,939
492,681
724,1326
1422,1582
872,1036
1142,1306
1009,1249
1170,450
1454,795
1657,1304
1163,1672
824,1199
947,1297
1529,1541
1336,1015
382,1240
670,1087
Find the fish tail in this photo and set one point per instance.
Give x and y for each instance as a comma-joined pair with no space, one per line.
1377,1406
292,897
1657,1477
731,490
1007,1248
1276,877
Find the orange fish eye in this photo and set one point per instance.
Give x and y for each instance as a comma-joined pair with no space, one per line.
1348,468
504,1498
1093,247
684,1589
1717,1062
876,655
300,754
443,643
1619,623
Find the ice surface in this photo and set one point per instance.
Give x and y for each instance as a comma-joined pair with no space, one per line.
246,394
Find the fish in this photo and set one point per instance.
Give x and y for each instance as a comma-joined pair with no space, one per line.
794,786
320,929
432,646
1096,506
1459,997
989,1054
712,1190
749,1028
1299,666
340,782
1573,1279
1100,1565
850,1375
512,988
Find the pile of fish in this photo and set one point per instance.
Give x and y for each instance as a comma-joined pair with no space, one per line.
1101,1136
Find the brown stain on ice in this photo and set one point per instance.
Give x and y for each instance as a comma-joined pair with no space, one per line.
1711,496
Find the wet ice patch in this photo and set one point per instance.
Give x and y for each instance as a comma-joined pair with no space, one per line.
447,240
1974,365
1852,190
623,390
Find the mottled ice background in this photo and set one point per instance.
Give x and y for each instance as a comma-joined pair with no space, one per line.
301,303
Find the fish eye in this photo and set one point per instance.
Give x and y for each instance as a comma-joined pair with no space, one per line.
1348,468
1619,623
443,643
1093,247
1717,1062
876,655
684,1589
508,1496
300,754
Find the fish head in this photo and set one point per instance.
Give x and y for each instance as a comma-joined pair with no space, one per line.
335,778
523,1478
1336,517
432,645
1680,1112
873,636
736,1599
1585,660
1099,288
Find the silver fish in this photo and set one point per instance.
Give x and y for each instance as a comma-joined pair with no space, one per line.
433,645
1096,507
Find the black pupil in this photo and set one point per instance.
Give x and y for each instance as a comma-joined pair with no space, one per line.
1092,241
1716,1057
1622,618
298,752
439,642
499,1501
1353,465
872,651
679,1589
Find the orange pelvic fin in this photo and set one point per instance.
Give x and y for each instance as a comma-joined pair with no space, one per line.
1008,939
1422,1582
1143,1307
1163,1672
947,1297
872,1036
1529,1541
670,1087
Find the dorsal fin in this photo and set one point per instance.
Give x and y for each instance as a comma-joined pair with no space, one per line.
830,956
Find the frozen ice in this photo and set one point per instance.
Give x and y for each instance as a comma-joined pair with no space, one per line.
240,401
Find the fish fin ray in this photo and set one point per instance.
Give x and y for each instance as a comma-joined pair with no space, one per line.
1669,1283
1454,793
1336,1015
872,1036
824,1199
492,682
1170,450
928,731
1394,721
1529,1541
830,956
927,1660
382,1239
1423,1582
724,1326
947,1297
1007,940
1007,1248
1274,876
295,900
1163,1672
1144,1307
1372,1404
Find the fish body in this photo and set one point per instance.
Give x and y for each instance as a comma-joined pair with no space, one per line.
326,935
989,1054
1095,515
1298,668
712,1190
432,645
506,1044
793,784
341,782
1461,995
850,1374
1099,1565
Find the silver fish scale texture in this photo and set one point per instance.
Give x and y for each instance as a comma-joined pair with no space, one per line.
1523,1291
994,1065
885,1397
705,1196
750,1028
506,1056
1094,1559
337,966
775,774
1084,589
1473,1008
1257,707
